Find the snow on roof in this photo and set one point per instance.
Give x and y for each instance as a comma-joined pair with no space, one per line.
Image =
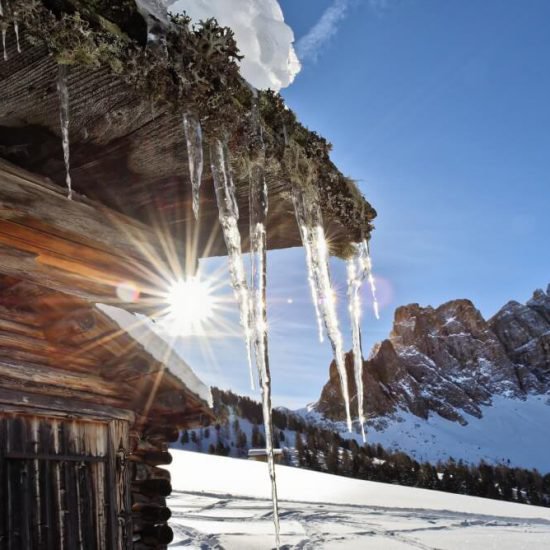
140,329
262,36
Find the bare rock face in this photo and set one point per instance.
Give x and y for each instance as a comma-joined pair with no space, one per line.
450,361
524,331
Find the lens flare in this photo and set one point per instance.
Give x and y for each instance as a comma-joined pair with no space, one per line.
190,303
127,292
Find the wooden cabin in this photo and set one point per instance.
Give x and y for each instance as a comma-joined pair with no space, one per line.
88,405
90,398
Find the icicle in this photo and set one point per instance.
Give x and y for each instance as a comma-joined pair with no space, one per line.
367,265
16,29
310,221
306,241
193,137
229,215
258,201
4,30
63,91
355,281
1,9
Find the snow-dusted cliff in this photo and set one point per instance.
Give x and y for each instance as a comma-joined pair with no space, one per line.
447,382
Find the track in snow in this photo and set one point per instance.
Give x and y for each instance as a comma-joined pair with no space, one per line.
222,522
238,517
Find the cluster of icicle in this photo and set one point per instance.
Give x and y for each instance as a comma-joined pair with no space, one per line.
251,298
5,29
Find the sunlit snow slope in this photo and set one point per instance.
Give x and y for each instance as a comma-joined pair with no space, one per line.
223,503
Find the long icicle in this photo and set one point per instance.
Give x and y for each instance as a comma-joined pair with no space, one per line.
193,137
4,47
63,92
367,263
229,216
310,273
258,201
310,221
356,275
16,29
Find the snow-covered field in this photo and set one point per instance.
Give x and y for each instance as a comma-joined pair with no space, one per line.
224,504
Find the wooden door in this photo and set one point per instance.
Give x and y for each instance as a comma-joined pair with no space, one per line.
62,487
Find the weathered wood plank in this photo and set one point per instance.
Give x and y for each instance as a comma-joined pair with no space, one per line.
65,381
23,265
11,325
3,488
23,402
79,247
61,394
113,535
60,354
27,196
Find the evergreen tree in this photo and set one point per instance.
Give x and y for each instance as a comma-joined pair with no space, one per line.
332,459
300,449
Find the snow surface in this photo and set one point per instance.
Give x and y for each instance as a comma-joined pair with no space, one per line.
262,35
141,330
224,504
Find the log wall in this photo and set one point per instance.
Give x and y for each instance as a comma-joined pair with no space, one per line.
86,416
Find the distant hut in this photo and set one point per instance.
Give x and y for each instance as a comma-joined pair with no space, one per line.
260,455
88,405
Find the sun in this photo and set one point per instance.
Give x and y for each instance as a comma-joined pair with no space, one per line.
190,303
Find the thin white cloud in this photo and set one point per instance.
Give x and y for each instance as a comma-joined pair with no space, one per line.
309,45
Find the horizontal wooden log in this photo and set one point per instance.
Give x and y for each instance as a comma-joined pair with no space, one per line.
56,353
22,402
159,473
151,458
140,545
151,513
18,315
157,534
62,380
73,327
9,324
78,247
156,434
171,400
128,368
144,471
152,487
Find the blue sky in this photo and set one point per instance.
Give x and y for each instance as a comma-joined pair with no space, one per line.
441,111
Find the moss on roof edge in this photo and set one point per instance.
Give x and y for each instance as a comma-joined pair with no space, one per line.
194,69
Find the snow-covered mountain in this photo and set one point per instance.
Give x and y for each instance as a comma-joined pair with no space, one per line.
224,503
447,383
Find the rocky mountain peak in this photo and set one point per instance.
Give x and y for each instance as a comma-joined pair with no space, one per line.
450,361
